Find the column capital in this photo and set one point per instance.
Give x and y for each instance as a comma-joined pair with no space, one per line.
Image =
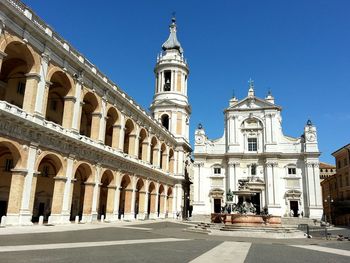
311,164
70,98
60,178
198,164
33,75
19,171
233,164
45,57
98,114
271,164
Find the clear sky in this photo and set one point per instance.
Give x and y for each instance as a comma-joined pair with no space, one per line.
298,49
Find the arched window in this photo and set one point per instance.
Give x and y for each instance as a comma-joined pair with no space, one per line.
165,121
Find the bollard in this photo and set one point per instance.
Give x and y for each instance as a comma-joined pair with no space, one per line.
102,218
76,219
41,220
3,221
49,220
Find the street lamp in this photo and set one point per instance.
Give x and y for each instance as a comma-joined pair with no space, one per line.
330,201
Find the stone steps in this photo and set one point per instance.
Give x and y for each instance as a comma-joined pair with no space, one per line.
295,221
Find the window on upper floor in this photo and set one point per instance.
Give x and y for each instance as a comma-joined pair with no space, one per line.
345,162
253,169
217,170
252,144
339,164
292,171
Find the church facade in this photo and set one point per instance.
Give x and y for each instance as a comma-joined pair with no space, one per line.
280,172
73,145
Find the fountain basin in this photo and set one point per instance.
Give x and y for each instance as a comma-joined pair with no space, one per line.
246,220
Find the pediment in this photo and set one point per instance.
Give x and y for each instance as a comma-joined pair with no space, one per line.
252,103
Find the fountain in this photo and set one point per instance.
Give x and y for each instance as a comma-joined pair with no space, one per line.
244,212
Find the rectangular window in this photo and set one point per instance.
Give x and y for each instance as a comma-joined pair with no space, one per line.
345,162
217,170
252,144
8,165
21,88
292,171
339,164
253,169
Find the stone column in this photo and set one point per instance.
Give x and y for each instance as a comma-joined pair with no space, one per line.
95,125
68,112
68,189
156,158
45,98
232,181
128,203
15,196
110,202
165,166
29,186
96,193
165,203
132,142
142,198
103,121
116,196
198,166
31,90
162,205
116,137
116,203
145,207
57,199
88,197
2,56
77,106
38,109
145,151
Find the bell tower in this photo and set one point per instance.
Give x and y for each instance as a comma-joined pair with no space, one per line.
170,103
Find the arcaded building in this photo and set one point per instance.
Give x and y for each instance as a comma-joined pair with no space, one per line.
73,145
281,172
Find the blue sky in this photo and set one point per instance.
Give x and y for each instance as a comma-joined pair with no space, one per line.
299,49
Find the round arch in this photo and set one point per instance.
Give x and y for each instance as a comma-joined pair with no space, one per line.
49,167
91,106
106,194
9,159
15,67
82,191
129,138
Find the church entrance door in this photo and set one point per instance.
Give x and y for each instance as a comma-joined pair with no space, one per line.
294,206
217,205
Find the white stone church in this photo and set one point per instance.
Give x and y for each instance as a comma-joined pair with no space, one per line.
281,172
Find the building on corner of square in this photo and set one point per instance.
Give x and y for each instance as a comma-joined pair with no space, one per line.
336,189
326,170
281,171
